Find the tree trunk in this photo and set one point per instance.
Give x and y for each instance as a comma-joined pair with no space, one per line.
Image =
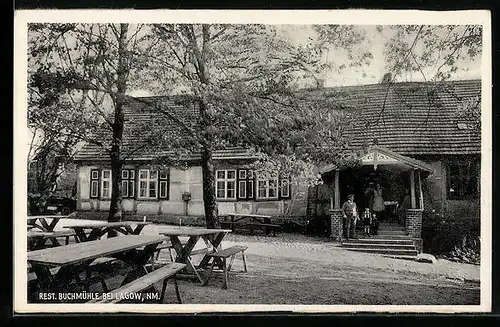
209,196
115,208
208,170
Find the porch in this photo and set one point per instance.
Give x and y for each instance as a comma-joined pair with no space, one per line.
400,179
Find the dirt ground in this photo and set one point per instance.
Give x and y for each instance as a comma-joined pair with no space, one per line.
296,269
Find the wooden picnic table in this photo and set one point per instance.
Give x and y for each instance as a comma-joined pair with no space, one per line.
263,219
43,224
38,239
76,258
211,237
252,222
97,230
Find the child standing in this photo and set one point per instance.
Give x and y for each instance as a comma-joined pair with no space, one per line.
367,221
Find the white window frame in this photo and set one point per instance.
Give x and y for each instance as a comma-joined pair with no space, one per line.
226,180
148,179
109,180
266,180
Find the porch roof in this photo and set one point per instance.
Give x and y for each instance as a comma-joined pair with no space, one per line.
377,155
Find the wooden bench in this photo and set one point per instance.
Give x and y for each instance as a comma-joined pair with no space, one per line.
223,255
37,240
101,267
163,246
142,283
250,223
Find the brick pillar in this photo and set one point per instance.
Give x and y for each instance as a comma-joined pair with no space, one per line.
336,221
414,222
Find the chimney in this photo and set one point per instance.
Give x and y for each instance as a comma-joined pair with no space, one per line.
320,83
386,79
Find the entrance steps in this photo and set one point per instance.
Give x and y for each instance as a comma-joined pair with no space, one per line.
391,239
395,247
391,232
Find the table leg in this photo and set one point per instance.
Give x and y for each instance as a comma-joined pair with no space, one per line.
138,259
80,233
36,226
137,230
121,230
43,276
54,241
183,253
53,224
215,241
96,233
44,224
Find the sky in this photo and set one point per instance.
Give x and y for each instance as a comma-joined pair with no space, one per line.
366,74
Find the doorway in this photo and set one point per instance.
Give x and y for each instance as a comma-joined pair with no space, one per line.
361,181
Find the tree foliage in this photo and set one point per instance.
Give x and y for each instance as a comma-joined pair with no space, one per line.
250,83
437,54
252,86
75,72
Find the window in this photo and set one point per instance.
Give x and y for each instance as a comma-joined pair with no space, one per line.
164,184
251,187
267,188
128,183
148,184
94,183
285,188
462,181
106,184
225,186
242,184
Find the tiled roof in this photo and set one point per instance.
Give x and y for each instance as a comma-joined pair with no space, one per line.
415,118
145,123
407,118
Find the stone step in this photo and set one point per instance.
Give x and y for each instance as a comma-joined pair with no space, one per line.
391,237
373,240
395,252
391,228
379,246
391,232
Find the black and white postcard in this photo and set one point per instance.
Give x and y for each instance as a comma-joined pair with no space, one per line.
177,161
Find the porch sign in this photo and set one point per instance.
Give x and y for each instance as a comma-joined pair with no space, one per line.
374,158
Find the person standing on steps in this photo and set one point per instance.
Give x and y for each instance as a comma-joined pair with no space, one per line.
366,218
350,214
378,203
369,195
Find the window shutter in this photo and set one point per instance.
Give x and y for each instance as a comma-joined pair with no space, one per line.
95,183
285,188
131,184
250,184
164,185
242,183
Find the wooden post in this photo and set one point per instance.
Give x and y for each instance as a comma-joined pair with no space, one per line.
420,193
337,190
412,189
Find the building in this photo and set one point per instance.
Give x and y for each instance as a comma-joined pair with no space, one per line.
413,142
409,136
154,186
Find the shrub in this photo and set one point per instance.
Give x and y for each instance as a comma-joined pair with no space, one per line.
442,235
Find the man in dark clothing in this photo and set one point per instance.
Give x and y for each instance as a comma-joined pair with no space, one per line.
350,214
